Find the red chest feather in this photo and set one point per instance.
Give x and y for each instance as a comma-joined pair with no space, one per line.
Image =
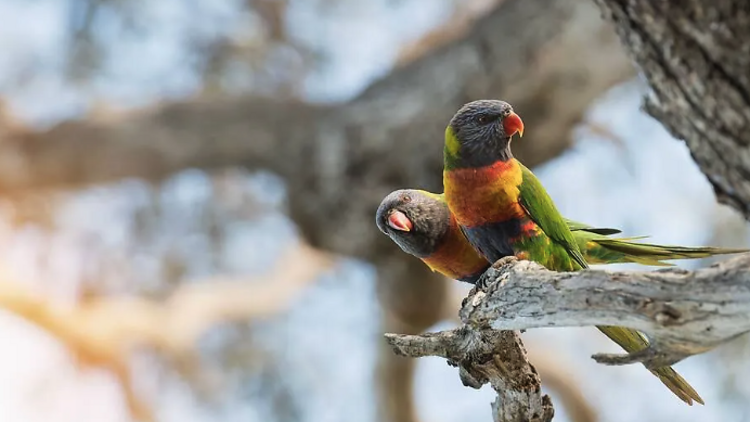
478,196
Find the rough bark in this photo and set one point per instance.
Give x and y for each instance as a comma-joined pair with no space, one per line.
486,356
695,55
682,312
554,370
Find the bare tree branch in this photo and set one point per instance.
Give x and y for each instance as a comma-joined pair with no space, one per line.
553,369
683,313
486,356
695,55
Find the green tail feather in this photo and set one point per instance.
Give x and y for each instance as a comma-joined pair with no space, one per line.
600,249
632,341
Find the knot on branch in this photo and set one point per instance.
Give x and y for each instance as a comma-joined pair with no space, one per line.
682,312
483,356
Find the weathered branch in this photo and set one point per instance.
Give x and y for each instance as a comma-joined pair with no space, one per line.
486,355
682,312
696,57
554,370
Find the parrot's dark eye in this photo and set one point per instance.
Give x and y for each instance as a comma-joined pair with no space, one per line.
483,119
405,198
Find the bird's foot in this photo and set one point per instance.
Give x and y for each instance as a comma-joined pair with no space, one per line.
485,280
506,260
482,284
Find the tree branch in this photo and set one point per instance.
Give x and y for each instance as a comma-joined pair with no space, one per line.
486,355
696,57
554,370
682,312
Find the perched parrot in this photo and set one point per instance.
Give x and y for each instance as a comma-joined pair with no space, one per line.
504,210
421,224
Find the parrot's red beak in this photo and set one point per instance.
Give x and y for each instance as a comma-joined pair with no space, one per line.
513,124
399,221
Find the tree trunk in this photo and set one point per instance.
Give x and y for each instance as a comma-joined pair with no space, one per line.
695,55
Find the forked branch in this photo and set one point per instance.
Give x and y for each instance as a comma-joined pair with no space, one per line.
682,312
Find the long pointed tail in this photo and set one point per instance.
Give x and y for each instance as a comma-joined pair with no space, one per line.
600,249
632,341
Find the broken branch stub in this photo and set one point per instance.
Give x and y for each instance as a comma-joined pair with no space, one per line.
485,355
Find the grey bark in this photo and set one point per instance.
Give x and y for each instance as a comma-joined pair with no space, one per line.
695,55
682,312
486,356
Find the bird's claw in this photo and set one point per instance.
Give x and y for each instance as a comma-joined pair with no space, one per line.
482,283
506,260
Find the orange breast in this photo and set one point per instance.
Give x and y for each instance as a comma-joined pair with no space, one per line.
455,257
489,194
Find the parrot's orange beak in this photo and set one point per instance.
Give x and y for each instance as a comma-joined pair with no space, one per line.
513,124
399,221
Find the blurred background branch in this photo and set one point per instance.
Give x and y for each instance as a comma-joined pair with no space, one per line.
103,331
340,160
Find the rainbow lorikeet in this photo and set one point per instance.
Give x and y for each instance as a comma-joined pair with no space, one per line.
423,226
504,210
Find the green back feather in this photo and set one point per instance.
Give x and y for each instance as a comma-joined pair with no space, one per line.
541,209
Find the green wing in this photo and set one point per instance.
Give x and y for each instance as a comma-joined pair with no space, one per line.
539,206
